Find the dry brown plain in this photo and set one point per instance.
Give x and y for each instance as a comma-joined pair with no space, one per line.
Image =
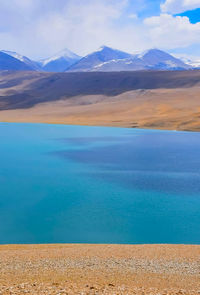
172,109
100,269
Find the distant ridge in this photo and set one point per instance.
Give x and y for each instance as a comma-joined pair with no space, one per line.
45,87
104,59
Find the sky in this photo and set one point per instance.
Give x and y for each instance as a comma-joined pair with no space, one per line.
41,28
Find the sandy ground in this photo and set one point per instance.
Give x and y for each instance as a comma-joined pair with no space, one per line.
172,109
100,269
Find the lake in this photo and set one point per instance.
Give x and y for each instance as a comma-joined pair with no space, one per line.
76,184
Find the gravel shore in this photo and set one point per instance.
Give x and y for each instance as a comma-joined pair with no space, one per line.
100,269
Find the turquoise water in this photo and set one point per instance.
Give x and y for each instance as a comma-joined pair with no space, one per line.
98,185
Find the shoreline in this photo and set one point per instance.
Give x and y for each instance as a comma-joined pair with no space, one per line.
100,269
95,126
97,244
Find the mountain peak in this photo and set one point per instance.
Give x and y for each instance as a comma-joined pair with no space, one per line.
65,53
102,55
107,48
151,51
111,52
104,48
59,62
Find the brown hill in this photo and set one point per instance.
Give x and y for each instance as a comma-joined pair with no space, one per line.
145,99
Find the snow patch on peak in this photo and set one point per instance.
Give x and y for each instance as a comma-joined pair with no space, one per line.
15,55
111,62
103,47
65,53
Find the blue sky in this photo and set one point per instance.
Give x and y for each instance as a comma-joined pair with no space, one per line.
193,15
39,28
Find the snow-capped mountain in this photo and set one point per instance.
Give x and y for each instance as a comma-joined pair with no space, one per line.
108,59
30,63
9,62
94,60
158,59
105,59
59,62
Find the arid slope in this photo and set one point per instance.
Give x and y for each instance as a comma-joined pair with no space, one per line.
162,100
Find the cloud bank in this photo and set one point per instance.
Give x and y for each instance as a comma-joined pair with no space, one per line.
40,28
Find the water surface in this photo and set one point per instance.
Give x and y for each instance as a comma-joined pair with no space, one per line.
98,185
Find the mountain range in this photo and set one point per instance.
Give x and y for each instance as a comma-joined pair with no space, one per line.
105,59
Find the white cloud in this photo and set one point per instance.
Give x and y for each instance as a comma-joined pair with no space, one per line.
167,31
178,6
81,29
40,28
81,26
